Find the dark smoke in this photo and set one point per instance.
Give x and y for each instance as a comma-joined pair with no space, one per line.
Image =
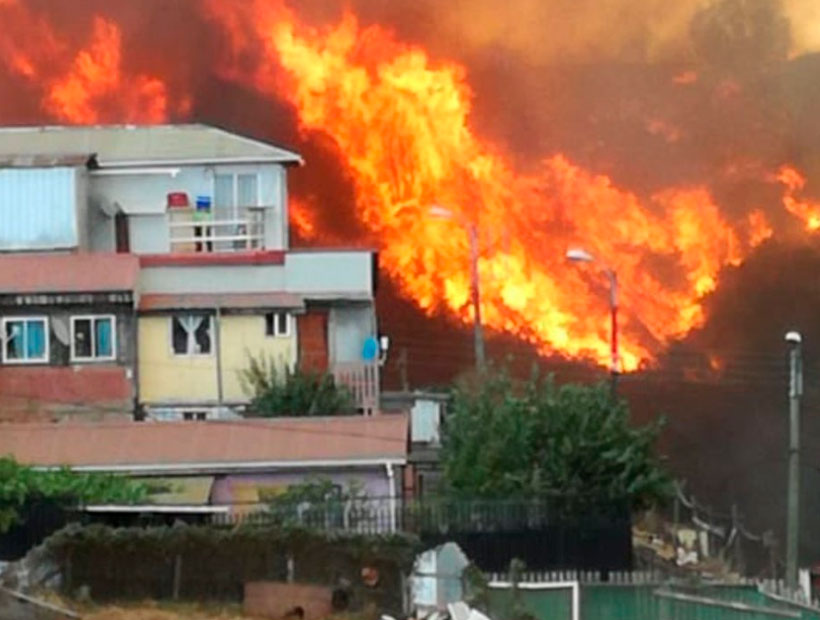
651,93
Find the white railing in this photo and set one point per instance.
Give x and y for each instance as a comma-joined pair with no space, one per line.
362,379
193,232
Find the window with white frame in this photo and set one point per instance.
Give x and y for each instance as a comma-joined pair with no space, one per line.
191,334
93,338
233,190
25,339
278,324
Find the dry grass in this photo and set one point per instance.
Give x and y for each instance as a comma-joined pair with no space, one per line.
152,611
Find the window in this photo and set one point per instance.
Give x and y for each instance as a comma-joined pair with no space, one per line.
234,190
277,324
191,334
93,338
194,415
25,339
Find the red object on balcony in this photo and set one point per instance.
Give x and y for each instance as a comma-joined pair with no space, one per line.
178,199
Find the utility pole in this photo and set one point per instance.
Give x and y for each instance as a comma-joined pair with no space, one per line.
613,342
793,504
478,329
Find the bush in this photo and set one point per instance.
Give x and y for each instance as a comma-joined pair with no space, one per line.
278,392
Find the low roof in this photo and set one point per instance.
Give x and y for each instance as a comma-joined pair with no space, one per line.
40,160
221,300
209,446
67,273
130,145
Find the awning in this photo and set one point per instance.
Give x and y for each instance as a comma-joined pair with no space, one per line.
172,495
202,301
187,490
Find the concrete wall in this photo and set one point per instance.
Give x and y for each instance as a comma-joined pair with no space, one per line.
330,273
149,234
316,275
144,198
167,378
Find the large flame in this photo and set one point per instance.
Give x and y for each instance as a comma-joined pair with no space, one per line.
401,123
92,87
806,210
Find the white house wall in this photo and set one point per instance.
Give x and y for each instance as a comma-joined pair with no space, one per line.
314,275
149,233
38,209
329,274
144,195
212,279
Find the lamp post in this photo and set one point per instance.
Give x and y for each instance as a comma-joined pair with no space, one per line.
579,255
795,342
475,294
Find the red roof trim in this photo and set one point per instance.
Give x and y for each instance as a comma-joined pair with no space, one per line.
193,259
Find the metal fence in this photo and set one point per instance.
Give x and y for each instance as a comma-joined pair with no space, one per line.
380,515
553,533
544,534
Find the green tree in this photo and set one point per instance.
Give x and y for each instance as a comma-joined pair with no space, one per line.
21,485
317,502
292,392
535,440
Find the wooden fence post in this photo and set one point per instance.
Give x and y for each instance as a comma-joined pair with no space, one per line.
177,576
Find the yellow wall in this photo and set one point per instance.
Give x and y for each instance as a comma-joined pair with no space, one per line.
244,335
167,378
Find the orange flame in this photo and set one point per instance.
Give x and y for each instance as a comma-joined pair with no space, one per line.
794,183
95,75
92,88
401,123
302,218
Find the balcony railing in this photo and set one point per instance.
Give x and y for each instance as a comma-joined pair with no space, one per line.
192,231
362,379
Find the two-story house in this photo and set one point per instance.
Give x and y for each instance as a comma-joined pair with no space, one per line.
159,255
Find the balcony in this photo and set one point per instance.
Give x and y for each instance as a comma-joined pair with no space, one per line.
362,379
197,231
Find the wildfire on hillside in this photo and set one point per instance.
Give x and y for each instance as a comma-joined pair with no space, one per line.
400,119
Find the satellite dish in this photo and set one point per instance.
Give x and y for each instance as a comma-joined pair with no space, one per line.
370,350
60,328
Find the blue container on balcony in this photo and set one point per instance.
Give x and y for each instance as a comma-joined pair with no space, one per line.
203,207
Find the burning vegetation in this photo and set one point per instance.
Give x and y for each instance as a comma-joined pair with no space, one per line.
658,145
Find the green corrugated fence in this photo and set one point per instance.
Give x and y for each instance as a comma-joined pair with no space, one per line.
645,602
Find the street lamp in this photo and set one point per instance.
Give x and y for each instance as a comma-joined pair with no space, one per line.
795,342
579,255
472,236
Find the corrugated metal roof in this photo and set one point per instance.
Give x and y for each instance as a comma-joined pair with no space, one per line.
124,145
67,273
208,446
50,160
224,300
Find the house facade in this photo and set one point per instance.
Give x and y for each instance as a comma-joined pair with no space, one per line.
200,216
225,466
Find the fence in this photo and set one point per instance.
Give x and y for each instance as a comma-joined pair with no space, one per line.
552,534
544,534
640,596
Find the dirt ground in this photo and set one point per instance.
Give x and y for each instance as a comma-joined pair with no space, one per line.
152,612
